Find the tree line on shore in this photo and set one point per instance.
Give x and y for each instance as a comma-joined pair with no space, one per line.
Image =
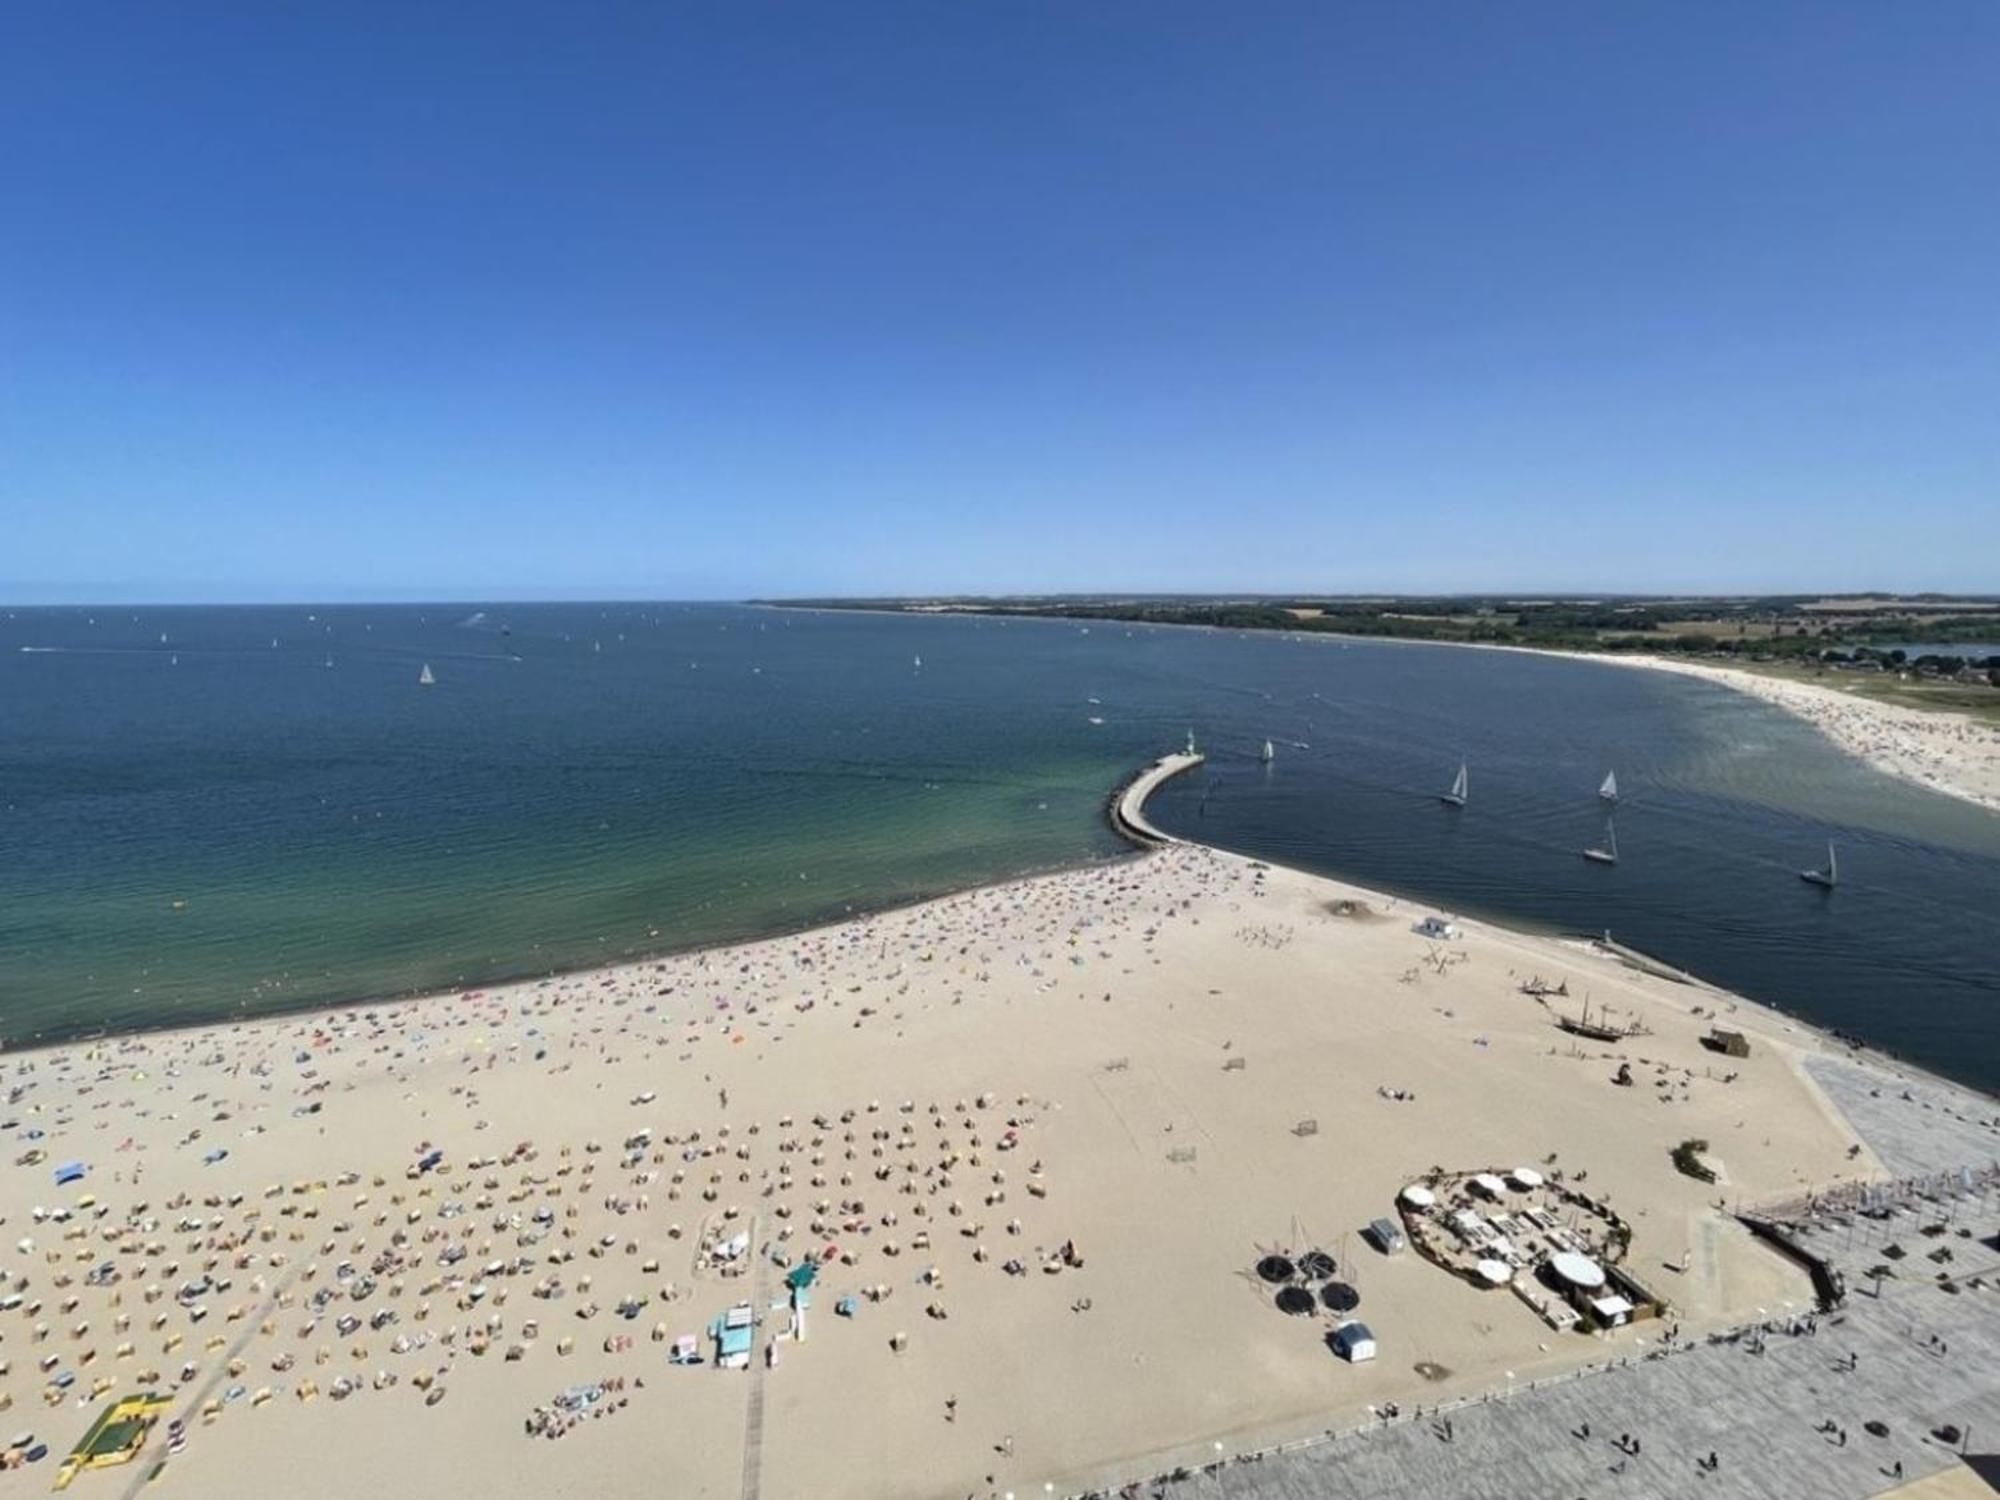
1775,628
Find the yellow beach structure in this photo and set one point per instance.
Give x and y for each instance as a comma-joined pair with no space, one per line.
115,1437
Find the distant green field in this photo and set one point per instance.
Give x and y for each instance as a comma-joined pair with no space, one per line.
1980,703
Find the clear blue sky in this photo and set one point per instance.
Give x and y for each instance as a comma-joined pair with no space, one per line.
461,300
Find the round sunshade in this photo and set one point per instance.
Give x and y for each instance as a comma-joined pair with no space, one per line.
1294,1300
1276,1268
1316,1265
1339,1297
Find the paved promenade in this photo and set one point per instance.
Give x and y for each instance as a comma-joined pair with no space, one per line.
1759,1413
1925,1125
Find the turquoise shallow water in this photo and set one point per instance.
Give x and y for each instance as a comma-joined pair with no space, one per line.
213,824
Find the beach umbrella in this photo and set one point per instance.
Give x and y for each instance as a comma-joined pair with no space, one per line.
1294,1300
1316,1265
1338,1296
1276,1268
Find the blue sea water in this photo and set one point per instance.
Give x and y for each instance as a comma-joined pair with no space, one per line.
214,812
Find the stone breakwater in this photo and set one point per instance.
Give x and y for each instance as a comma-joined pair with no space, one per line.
1127,811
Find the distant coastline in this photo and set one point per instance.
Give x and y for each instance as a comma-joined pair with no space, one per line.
1779,628
1948,742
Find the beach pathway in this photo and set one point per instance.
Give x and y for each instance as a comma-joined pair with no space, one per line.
753,1415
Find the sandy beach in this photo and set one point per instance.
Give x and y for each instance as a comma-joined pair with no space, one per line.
1035,1138
1946,752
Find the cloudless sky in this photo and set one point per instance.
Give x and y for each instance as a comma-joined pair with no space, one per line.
358,299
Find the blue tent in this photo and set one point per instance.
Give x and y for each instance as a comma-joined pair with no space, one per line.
68,1172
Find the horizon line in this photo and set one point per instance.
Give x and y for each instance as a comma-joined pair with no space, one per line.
975,597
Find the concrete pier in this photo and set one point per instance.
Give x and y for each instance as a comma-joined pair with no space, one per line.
1128,808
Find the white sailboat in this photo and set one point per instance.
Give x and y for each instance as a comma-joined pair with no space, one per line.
1829,877
919,663
426,678
1456,796
1609,791
1270,753
1607,853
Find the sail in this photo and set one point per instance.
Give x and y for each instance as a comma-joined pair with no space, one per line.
1607,852
1269,751
1459,783
1609,791
424,678
1832,865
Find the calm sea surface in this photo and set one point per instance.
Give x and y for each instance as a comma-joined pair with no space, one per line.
211,812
